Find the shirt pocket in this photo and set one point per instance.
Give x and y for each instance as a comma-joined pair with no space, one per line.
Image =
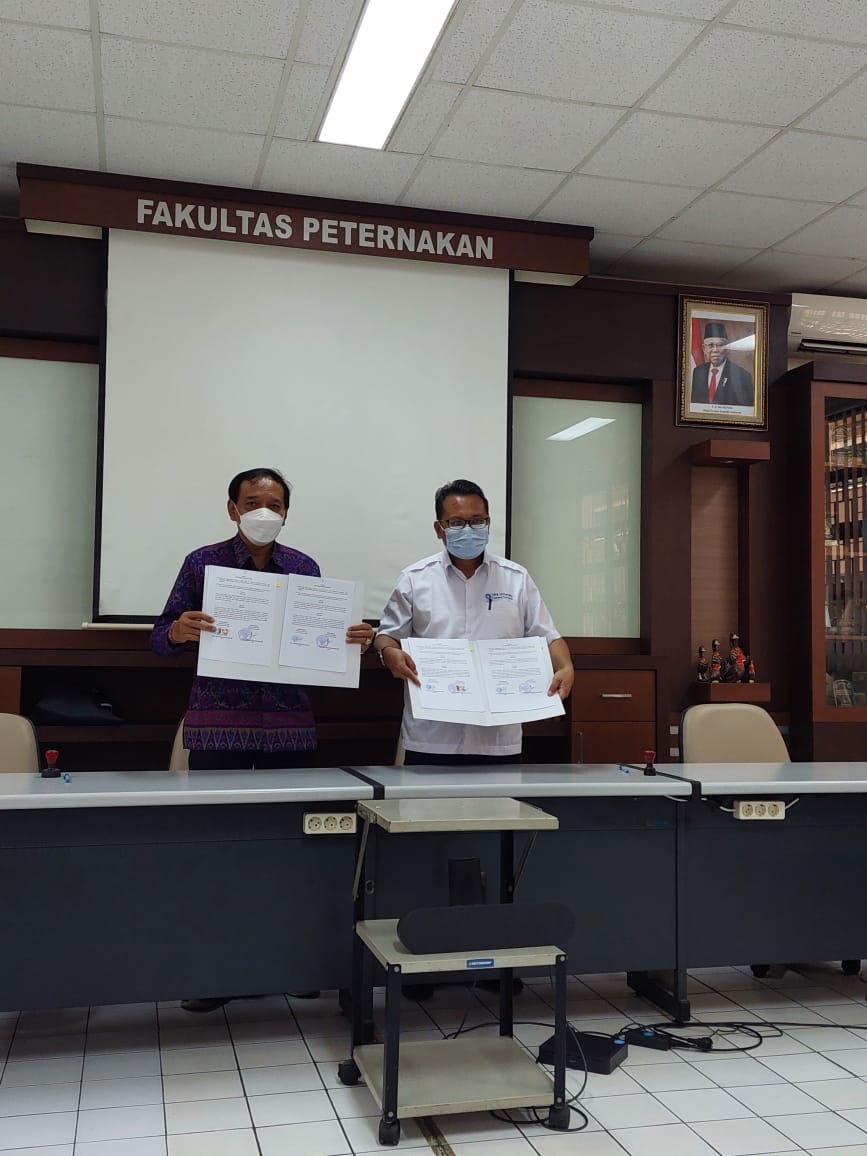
503,619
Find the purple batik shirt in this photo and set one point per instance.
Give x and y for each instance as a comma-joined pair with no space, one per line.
227,714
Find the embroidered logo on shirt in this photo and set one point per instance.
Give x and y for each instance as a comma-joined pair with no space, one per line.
492,598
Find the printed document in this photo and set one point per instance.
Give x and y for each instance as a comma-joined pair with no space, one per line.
488,682
279,628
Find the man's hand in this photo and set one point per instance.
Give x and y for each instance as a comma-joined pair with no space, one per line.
360,634
189,626
400,664
562,681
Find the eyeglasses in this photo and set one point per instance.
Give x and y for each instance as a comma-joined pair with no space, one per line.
459,523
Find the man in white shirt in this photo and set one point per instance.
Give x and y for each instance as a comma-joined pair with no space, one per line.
464,592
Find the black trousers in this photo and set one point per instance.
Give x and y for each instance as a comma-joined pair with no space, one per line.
250,760
420,759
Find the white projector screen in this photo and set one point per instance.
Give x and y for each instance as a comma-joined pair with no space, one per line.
367,381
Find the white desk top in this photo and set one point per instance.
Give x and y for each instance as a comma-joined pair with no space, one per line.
529,780
170,788
776,778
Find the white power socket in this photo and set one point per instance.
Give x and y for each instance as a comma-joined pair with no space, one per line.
329,823
759,809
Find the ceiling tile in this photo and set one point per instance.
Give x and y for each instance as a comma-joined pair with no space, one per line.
675,150
618,206
304,92
734,218
557,49
8,191
332,170
60,13
47,67
790,272
748,76
459,187
853,285
663,260
840,233
817,168
181,154
529,131
829,19
607,247
844,113
188,86
422,120
42,136
698,9
327,22
262,28
468,37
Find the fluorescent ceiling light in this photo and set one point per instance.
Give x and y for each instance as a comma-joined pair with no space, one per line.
588,425
391,45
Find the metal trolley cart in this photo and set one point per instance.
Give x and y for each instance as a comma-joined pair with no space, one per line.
471,1072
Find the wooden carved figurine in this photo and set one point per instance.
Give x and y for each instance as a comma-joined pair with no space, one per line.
715,662
735,667
703,666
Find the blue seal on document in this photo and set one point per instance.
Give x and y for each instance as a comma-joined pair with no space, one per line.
457,688
323,641
246,633
297,638
527,687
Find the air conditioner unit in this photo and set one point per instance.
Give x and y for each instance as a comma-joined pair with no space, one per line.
827,325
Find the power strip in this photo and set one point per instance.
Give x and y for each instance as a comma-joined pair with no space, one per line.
329,823
759,809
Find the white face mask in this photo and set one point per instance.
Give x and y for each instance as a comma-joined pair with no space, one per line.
260,526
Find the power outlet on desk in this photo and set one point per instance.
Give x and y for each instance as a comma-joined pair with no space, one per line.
759,809
329,823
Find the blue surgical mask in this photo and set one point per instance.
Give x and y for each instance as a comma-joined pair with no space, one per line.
467,542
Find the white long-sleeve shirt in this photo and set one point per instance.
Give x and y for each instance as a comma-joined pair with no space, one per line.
433,599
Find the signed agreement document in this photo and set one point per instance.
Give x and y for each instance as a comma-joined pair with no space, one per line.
279,627
488,682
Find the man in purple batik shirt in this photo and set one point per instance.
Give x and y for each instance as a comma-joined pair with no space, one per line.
232,724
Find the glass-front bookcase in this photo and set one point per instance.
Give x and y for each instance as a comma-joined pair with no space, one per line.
842,684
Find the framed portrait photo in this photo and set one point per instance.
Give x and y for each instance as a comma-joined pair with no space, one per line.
723,358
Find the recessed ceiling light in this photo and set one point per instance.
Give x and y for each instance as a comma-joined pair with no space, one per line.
392,43
588,425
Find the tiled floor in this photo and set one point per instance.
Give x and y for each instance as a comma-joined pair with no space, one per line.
259,1078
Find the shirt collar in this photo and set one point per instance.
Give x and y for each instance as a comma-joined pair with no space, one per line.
278,561
447,562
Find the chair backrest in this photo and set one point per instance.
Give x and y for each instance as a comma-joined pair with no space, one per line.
180,757
730,732
19,751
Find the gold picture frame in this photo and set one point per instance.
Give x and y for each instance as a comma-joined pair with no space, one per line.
723,364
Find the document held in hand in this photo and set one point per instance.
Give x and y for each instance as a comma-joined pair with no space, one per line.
279,628
487,682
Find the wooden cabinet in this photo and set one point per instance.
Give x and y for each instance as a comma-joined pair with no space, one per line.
614,713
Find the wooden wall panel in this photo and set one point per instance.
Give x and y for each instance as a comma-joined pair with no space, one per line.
714,556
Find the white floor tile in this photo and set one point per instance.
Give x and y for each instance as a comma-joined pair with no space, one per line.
704,1105
776,1099
744,1137
185,1061
853,1061
195,1036
291,1108
202,1086
32,1131
830,1039
53,1150
291,1078
270,1031
123,1093
272,1007
466,1128
120,1123
838,1095
263,1055
46,1047
781,1046
128,1040
144,1146
640,1111
121,1065
667,1141
36,1099
816,996
579,1144
514,1147
241,1142
325,1138
737,1071
819,1129
122,1017
619,1083
363,1134
17,1074
801,1068
207,1116
671,1077
849,1150
643,1057
351,1102
328,1048
849,1013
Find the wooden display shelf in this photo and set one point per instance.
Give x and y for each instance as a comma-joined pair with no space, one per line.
114,733
730,452
732,691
